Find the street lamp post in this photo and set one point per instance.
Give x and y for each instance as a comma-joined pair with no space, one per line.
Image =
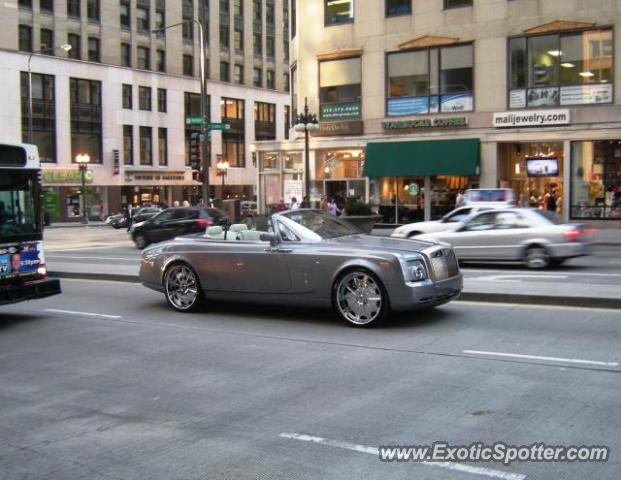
222,166
306,122
82,161
66,47
205,160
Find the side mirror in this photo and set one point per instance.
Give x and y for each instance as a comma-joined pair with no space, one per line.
269,237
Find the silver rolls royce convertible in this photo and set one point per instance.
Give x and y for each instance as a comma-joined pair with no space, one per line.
303,258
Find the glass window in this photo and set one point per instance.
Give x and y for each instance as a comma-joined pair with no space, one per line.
18,202
162,146
233,140
25,38
340,83
257,77
398,7
270,79
92,10
73,8
337,12
25,3
238,40
457,3
44,114
128,145
161,60
146,146
93,50
127,96
287,121
161,100
142,18
188,65
225,75
85,107
285,81
126,55
188,14
431,81
144,58
47,6
264,121
269,12
47,40
75,42
561,69
224,36
124,13
257,44
596,180
239,74
270,46
144,98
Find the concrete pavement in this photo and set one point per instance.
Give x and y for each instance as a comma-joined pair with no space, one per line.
105,382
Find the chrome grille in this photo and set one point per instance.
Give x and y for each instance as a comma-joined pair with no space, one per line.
444,264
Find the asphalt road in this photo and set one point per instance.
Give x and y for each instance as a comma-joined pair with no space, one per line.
105,382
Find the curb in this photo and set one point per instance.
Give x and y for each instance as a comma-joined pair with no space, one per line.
482,297
549,300
110,277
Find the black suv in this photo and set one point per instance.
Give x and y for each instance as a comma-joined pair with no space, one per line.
174,222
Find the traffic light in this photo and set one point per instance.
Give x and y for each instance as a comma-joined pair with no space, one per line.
195,150
197,176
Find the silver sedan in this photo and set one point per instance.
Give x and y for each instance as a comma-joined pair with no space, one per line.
303,258
515,235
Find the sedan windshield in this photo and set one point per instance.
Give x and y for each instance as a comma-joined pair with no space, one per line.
323,224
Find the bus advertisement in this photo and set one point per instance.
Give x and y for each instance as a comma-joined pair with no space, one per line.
23,275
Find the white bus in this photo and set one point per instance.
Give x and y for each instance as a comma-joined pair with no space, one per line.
23,275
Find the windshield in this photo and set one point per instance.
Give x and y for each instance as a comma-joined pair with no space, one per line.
323,224
18,212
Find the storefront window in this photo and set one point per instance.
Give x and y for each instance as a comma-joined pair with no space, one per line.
561,69
293,162
596,180
270,161
535,173
430,81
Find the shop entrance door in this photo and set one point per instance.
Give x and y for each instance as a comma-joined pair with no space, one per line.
337,189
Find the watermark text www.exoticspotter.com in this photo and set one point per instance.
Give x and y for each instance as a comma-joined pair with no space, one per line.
498,452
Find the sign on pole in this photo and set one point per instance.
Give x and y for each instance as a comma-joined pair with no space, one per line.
194,121
218,126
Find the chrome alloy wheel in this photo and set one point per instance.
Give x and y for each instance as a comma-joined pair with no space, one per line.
537,258
182,289
359,298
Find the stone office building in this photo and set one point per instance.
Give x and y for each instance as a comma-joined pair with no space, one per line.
418,99
122,94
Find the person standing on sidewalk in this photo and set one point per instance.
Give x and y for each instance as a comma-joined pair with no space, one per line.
129,215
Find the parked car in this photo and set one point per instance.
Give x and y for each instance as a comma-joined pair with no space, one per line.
308,258
515,235
449,221
176,221
145,213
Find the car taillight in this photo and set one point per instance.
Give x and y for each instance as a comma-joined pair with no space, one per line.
574,235
203,223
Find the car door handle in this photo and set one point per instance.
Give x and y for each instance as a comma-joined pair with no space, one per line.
279,250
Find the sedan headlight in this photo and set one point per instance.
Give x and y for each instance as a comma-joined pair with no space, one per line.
417,271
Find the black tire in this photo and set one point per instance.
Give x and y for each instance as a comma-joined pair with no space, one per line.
365,309
557,262
537,257
413,234
141,240
182,288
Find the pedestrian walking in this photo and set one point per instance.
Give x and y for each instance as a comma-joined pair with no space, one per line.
129,216
333,209
294,204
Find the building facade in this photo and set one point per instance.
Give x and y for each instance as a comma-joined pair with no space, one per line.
418,99
125,92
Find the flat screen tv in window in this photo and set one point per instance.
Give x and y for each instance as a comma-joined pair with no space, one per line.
542,167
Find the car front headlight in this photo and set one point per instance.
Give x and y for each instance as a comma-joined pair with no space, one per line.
398,232
417,271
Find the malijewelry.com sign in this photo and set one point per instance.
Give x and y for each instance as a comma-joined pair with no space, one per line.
529,118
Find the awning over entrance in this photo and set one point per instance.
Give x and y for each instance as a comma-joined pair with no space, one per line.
414,159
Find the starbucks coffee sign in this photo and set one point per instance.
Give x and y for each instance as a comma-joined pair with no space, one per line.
440,122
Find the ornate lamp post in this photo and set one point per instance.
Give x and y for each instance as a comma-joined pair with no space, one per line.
66,47
222,167
306,122
82,161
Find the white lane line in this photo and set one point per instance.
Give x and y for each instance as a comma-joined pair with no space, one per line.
537,357
89,247
542,274
88,314
459,467
494,278
75,257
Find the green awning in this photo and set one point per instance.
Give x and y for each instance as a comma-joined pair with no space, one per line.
414,159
